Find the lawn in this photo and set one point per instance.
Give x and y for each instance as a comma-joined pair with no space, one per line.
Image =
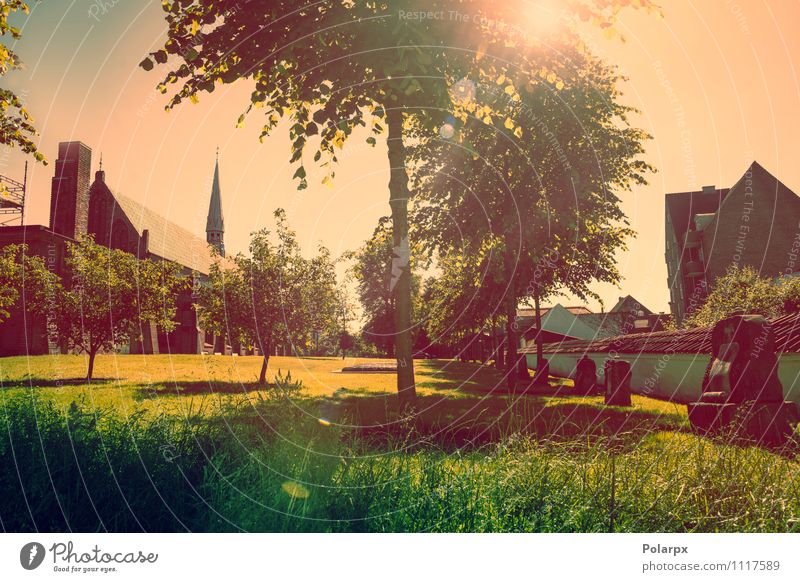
195,435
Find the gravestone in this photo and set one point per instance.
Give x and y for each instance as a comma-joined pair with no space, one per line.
542,373
586,376
741,391
618,382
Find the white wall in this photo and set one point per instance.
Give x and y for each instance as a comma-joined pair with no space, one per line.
675,377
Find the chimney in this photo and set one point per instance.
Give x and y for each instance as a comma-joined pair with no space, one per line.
709,189
144,244
69,193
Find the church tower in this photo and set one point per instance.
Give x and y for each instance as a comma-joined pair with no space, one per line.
215,225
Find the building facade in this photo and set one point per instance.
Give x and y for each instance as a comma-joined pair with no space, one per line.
754,223
80,206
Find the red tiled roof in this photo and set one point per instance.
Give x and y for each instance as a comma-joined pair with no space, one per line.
685,341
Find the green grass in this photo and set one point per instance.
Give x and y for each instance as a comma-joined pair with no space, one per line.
190,443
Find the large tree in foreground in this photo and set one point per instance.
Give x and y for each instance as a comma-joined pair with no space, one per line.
106,298
334,65
534,206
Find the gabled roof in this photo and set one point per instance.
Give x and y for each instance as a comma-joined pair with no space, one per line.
577,322
629,304
756,182
531,312
165,238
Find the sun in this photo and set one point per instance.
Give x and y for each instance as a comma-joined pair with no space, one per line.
543,17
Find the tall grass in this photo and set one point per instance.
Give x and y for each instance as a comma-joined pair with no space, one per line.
271,465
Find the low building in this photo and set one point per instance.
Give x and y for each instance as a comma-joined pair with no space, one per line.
561,323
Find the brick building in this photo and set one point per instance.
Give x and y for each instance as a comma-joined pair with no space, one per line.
754,223
80,206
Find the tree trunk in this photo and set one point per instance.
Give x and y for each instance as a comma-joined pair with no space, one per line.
401,270
511,341
262,378
90,372
498,342
538,315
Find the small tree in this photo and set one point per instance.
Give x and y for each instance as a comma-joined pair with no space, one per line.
271,295
742,290
107,296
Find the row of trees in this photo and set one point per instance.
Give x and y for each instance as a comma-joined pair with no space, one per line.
482,116
270,296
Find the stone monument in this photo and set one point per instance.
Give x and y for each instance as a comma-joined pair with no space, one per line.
618,382
741,390
586,376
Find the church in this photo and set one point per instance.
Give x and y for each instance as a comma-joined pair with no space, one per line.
79,206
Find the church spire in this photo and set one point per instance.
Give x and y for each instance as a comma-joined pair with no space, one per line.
215,225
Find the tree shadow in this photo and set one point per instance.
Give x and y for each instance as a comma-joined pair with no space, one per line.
56,382
181,389
474,423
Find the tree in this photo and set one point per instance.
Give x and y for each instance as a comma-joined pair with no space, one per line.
271,295
106,296
20,273
743,290
320,303
376,271
16,125
535,204
332,66
463,299
345,313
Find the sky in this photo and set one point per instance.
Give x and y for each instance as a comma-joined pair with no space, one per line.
715,82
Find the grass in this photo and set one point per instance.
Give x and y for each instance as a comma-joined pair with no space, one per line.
190,443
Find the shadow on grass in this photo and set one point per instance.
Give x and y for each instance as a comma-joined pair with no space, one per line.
180,389
55,382
471,423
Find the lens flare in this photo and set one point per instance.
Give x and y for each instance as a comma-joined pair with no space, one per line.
295,490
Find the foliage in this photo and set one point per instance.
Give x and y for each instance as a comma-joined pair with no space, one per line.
106,298
533,208
21,273
464,297
271,296
16,124
743,290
